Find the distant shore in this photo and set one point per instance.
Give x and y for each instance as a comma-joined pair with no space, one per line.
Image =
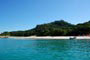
48,37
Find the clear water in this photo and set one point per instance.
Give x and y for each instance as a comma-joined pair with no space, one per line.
16,49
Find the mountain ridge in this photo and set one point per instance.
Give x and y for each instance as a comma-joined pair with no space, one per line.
56,28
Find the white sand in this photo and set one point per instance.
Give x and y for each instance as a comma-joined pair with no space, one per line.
83,37
51,37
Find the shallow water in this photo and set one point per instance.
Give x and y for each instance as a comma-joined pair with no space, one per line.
28,49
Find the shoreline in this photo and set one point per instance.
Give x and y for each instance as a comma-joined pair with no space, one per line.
49,37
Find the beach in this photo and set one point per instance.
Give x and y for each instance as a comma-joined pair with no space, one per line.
51,37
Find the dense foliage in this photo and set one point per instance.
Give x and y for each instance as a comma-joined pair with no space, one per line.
57,28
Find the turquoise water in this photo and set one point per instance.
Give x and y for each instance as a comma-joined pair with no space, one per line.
28,49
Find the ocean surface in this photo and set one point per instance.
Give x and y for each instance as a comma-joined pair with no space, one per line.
29,49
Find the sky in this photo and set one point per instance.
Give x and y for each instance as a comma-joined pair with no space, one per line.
26,14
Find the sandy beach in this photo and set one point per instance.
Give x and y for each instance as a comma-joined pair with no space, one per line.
51,37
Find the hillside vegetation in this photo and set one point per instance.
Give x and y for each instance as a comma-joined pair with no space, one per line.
56,28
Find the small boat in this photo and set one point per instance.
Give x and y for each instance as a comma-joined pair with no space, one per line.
72,38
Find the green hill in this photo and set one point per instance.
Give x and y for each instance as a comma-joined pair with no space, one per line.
56,28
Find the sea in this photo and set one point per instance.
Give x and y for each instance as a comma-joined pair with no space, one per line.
44,49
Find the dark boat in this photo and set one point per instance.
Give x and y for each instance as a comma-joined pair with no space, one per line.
72,38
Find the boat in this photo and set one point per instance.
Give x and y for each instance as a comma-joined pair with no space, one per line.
72,38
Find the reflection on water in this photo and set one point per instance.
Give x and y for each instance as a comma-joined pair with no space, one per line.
13,49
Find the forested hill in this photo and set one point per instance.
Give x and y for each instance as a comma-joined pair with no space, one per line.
56,28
